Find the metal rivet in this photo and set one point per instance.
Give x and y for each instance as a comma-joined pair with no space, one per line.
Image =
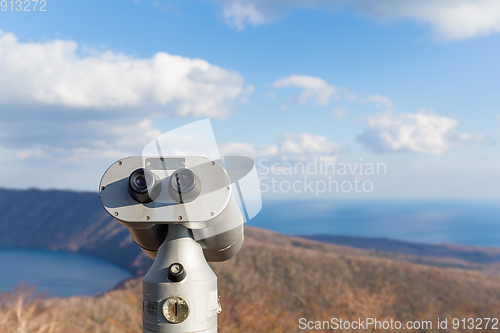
179,218
213,163
211,213
120,163
116,213
227,188
102,188
147,218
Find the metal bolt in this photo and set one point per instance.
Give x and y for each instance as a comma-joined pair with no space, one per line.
175,309
211,213
179,218
116,213
227,188
120,163
213,163
102,188
176,272
147,218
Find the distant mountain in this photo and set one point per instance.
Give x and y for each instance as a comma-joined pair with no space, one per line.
76,221
474,254
275,281
66,221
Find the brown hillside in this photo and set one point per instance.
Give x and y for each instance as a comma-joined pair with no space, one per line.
276,280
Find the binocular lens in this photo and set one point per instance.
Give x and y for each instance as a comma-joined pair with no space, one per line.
184,186
183,181
140,181
144,186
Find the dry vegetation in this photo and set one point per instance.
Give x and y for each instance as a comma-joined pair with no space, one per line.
272,283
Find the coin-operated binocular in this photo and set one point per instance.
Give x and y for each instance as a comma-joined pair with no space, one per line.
183,212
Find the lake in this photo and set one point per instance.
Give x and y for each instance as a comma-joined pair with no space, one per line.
473,222
432,221
60,274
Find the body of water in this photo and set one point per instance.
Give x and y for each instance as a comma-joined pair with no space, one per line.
463,222
60,274
436,221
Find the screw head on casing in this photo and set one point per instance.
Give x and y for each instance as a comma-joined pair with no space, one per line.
176,272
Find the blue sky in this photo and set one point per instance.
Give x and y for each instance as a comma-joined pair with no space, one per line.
414,86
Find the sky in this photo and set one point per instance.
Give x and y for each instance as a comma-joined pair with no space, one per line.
410,86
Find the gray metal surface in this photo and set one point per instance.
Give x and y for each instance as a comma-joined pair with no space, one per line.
209,228
200,213
199,288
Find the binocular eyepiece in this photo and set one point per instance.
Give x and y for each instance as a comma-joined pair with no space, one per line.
183,185
144,186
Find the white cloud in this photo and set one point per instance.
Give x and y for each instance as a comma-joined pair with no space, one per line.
339,112
422,132
54,101
381,101
71,111
271,94
55,74
302,147
87,142
240,14
305,147
249,150
314,90
450,19
30,154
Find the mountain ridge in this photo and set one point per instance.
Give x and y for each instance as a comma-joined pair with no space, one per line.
75,221
273,282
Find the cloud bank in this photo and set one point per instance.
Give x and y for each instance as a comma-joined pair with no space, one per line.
56,73
314,90
450,19
422,132
303,147
73,111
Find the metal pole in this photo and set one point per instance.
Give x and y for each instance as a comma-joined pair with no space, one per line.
180,288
